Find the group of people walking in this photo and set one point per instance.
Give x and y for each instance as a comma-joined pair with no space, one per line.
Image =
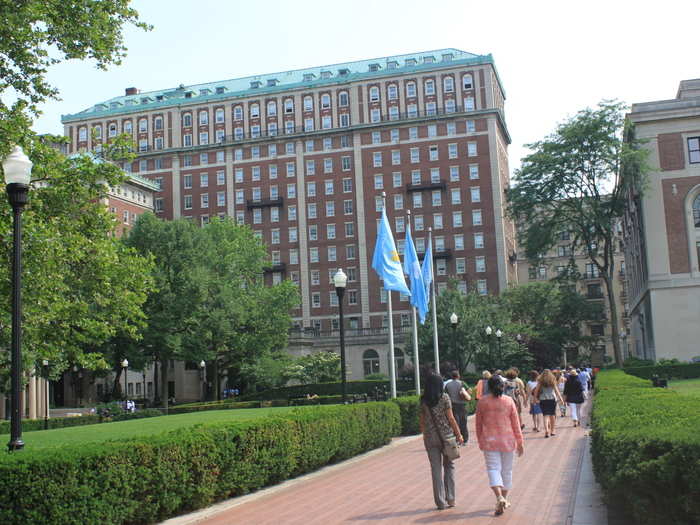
502,397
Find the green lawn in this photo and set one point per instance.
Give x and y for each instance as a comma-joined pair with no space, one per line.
136,427
690,387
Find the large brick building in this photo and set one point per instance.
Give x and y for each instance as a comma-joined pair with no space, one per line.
662,229
303,158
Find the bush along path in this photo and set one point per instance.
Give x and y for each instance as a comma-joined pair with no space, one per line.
646,449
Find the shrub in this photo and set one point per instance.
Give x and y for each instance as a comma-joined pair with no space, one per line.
646,449
409,408
682,371
30,425
147,480
326,389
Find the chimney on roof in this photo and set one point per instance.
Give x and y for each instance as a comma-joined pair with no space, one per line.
131,91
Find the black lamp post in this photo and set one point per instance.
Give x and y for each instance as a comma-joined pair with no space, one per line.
340,280
18,170
125,367
499,334
453,322
489,331
202,371
45,364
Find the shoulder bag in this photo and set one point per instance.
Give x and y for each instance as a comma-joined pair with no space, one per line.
449,446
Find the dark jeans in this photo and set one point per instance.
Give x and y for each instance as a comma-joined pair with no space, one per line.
460,412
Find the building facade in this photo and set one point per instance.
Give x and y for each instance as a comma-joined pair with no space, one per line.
304,158
662,229
591,286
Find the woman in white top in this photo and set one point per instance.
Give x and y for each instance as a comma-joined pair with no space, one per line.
535,409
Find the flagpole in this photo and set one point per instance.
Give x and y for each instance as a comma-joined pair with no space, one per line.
416,365
432,299
392,361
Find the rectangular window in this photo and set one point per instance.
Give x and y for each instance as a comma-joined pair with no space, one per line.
478,240
316,300
454,173
291,191
378,204
434,175
272,171
437,221
417,199
377,159
349,229
395,157
257,216
327,165
187,181
221,198
274,192
456,219
310,167
347,185
375,115
473,171
292,233
313,232
480,264
415,155
291,169
456,196
418,222
293,257
257,194
220,178
330,209
400,224
398,201
274,236
441,267
378,182
471,149
433,153
415,177
481,287
413,133
475,194
694,150
471,126
352,297
313,255
255,173
311,207
315,277
468,103
292,213
396,179
330,231
188,202
460,265
376,137
331,254
240,217
203,180
329,187
452,151
240,199
310,189
204,138
347,207
394,135
350,252
345,163
432,130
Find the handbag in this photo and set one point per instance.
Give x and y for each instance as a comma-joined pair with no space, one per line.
450,448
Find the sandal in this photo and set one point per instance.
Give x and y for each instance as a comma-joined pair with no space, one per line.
546,435
500,506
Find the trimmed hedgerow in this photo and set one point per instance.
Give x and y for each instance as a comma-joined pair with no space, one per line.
646,449
142,481
682,371
30,425
410,413
327,389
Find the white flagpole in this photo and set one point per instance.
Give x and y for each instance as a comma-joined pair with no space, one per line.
392,361
432,299
415,327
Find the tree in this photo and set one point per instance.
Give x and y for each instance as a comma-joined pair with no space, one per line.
550,316
81,285
321,367
576,180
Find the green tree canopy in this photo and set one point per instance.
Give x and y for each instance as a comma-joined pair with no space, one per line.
576,180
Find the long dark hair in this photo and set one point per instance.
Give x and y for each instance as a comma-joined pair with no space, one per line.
433,390
496,386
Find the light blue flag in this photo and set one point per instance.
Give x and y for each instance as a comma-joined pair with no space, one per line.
427,268
411,267
386,261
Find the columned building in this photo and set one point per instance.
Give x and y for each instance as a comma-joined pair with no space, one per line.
662,229
304,158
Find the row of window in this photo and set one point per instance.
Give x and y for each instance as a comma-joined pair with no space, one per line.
203,180
314,256
414,154
203,201
431,131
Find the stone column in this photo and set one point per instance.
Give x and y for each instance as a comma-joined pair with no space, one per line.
2,406
32,395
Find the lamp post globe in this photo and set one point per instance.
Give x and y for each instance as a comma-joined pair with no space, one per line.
18,172
125,366
202,372
340,280
454,319
489,330
499,334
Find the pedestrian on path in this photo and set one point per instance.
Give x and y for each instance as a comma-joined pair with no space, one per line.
583,378
561,381
535,410
512,390
547,393
459,396
482,387
573,395
438,425
499,435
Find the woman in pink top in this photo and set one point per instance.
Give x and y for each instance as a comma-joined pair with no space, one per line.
499,435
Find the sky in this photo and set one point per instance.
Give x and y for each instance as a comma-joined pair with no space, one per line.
554,57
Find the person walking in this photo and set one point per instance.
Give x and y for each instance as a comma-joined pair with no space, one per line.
513,390
547,393
573,395
499,436
583,378
459,396
561,381
438,424
482,387
535,409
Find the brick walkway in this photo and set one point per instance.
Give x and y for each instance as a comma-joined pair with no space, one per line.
393,486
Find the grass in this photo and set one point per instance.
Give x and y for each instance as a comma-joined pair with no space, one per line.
689,387
120,430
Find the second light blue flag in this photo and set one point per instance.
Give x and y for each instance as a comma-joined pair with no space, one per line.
411,267
386,261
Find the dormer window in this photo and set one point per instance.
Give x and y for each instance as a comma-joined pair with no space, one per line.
308,77
204,92
255,84
144,100
159,98
428,59
188,94
114,105
272,82
447,57
411,61
343,71
220,90
392,64
325,74
373,68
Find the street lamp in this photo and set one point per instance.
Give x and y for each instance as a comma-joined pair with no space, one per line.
18,171
453,322
340,280
45,363
202,368
499,334
489,331
623,335
125,366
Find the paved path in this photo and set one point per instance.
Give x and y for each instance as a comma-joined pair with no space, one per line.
392,486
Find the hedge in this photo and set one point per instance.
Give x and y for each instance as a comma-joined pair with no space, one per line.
682,371
410,413
327,389
142,481
646,449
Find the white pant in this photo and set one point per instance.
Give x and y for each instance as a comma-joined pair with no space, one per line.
499,466
574,411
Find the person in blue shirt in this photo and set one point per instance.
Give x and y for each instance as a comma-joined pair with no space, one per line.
583,378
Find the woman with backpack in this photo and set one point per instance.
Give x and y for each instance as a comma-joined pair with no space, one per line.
439,428
513,391
547,394
573,395
499,435
535,410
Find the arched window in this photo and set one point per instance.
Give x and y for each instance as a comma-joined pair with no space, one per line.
254,111
97,130
112,130
467,82
343,98
288,105
308,103
374,94
158,123
271,108
411,89
237,113
448,84
696,211
392,92
429,87
325,101
370,362
219,115
187,120
203,118
143,125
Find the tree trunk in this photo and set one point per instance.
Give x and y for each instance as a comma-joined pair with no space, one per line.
164,384
216,380
613,314
117,387
156,392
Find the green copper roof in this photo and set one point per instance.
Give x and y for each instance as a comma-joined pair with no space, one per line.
281,81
